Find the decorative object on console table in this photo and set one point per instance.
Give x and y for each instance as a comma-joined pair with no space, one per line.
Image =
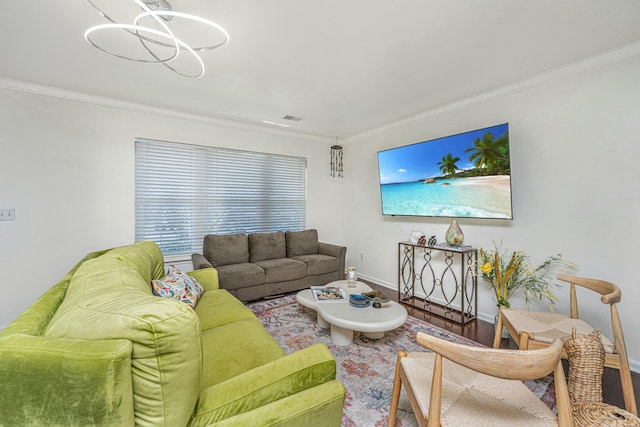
424,284
454,235
415,236
448,247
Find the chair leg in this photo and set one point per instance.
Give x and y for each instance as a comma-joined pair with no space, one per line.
625,371
395,395
435,401
497,337
523,342
627,389
562,396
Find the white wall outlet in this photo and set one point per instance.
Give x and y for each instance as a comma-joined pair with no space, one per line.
7,214
361,256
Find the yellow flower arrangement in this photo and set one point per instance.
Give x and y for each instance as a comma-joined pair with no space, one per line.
508,275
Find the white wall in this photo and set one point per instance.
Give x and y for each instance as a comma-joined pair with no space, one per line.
575,146
68,170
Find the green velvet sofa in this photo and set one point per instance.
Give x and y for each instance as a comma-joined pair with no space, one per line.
98,348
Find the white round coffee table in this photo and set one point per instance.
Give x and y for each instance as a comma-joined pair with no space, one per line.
343,318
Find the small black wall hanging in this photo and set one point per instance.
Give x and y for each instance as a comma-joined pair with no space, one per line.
336,161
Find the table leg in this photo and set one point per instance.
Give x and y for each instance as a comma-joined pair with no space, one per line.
321,322
341,336
374,335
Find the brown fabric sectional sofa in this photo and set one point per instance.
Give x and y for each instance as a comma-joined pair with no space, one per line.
258,265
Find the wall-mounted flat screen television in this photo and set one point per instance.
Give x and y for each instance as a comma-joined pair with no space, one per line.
467,175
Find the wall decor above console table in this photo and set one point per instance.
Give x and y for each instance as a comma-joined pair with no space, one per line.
441,280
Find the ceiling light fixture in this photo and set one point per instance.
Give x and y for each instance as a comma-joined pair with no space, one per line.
161,35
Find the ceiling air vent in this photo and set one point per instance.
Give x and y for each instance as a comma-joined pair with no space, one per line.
293,118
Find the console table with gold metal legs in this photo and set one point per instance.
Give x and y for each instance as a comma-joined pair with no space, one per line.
439,280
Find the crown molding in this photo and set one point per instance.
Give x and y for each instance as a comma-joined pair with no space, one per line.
614,55
118,104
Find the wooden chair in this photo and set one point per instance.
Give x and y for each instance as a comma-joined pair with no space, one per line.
532,329
460,384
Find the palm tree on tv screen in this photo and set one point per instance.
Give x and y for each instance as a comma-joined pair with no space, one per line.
491,156
448,164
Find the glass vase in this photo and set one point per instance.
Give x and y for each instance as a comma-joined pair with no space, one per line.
454,235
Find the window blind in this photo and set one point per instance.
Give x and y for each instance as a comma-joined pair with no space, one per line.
184,192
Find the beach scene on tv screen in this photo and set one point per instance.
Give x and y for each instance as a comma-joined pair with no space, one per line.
467,175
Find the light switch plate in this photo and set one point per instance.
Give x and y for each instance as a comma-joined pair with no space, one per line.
7,214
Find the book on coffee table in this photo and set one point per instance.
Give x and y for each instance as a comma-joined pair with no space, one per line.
328,293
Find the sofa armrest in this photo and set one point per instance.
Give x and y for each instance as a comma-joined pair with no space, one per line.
268,383
335,251
207,277
200,261
320,406
53,381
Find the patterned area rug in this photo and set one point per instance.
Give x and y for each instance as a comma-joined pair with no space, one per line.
366,367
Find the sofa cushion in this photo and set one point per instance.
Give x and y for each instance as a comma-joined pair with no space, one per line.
235,348
282,269
244,275
179,286
319,264
301,242
218,307
107,299
226,249
267,246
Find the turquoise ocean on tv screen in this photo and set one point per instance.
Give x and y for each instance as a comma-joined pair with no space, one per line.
449,198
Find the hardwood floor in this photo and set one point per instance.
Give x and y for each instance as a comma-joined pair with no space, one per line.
482,332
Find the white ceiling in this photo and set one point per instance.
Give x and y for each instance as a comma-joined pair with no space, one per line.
344,66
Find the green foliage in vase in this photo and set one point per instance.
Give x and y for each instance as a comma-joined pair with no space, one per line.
510,272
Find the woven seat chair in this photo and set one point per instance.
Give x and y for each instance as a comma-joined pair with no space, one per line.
463,385
533,329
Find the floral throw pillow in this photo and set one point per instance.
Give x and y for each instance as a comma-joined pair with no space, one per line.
179,286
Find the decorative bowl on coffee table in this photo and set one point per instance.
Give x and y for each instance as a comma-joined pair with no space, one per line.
358,300
377,298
